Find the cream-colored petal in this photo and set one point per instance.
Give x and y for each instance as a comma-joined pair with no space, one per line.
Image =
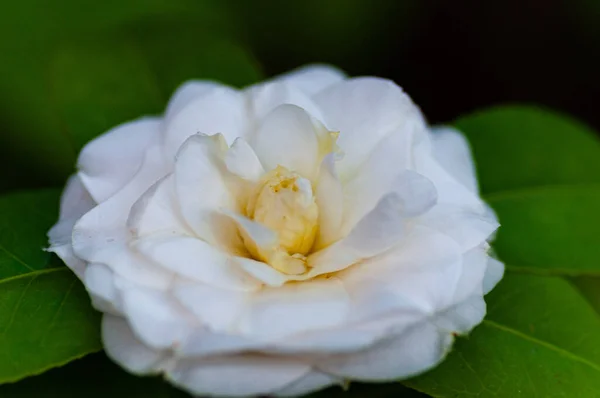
329,196
288,137
243,162
204,187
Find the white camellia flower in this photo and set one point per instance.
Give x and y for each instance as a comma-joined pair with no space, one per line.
279,239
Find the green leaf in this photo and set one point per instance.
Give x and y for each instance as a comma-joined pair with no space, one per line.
34,127
526,348
589,287
26,217
522,147
551,230
46,318
99,85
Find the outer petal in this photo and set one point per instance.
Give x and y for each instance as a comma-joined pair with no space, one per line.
493,274
295,308
75,202
107,163
364,111
155,319
101,236
99,281
124,348
408,278
243,375
468,227
418,349
313,78
216,308
311,382
450,190
219,109
452,151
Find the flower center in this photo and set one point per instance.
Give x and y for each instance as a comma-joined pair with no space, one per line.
285,203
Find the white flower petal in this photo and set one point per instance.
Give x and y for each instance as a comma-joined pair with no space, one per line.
101,235
100,283
295,308
193,258
156,211
418,349
311,382
313,78
243,375
204,343
364,111
265,97
216,308
75,202
287,137
376,176
493,274
411,277
110,161
452,151
154,319
202,186
220,109
242,161
264,272
187,93
124,348
329,196
450,191
462,317
381,228
462,224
